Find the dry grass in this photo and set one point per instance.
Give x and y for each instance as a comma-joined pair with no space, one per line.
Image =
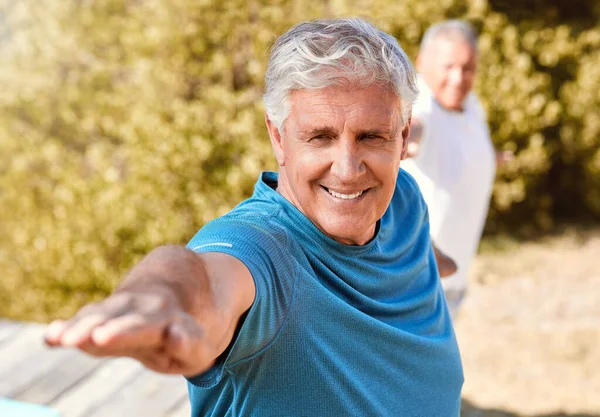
529,331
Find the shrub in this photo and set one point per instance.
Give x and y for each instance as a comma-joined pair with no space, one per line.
125,125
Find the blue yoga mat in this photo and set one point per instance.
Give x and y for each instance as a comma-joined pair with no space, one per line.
12,408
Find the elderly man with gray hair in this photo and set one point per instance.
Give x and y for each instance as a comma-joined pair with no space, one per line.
319,295
452,157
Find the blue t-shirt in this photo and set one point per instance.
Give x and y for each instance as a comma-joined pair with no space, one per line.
334,330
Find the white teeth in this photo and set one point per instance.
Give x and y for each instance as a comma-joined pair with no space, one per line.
345,196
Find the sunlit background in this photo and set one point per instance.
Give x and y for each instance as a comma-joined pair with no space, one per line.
126,124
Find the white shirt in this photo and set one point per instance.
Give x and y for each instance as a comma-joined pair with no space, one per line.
455,168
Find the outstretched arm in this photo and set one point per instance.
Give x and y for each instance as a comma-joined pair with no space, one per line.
175,312
503,157
446,265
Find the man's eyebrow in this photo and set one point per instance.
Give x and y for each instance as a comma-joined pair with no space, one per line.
325,130
390,132
376,131
330,131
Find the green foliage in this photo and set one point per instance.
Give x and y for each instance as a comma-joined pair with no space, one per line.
538,79
125,125
539,85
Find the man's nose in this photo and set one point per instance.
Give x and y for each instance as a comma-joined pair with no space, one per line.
348,162
457,76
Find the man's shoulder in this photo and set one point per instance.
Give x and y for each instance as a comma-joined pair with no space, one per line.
255,213
255,208
474,106
408,188
405,220
252,222
406,182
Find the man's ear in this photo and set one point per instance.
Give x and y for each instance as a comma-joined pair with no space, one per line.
419,62
276,141
405,138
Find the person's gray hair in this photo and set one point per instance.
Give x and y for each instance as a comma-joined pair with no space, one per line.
346,52
453,30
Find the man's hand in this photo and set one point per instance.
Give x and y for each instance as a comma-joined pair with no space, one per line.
175,312
446,266
504,157
149,327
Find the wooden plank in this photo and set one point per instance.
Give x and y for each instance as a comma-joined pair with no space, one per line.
182,409
24,372
149,395
26,343
93,392
77,385
8,329
62,377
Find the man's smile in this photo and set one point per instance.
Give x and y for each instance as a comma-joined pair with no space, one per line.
347,195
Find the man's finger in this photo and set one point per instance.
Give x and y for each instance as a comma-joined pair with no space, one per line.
160,361
80,330
54,331
130,332
188,348
90,348
75,331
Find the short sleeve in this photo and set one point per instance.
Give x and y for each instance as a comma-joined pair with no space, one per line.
261,246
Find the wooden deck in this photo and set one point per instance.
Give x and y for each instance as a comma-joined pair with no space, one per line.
78,385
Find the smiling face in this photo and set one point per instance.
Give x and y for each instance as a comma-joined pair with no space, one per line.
448,67
339,155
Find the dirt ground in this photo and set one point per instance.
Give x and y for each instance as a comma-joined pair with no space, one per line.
529,331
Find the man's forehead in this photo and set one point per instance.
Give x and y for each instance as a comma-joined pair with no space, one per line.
310,118
448,47
334,126
316,101
364,108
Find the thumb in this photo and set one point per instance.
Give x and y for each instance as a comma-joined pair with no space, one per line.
187,343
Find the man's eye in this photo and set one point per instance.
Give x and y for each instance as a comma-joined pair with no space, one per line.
320,138
373,138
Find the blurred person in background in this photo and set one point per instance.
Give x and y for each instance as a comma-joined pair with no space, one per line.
320,294
451,155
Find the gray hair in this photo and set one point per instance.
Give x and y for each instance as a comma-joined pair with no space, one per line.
453,30
344,52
